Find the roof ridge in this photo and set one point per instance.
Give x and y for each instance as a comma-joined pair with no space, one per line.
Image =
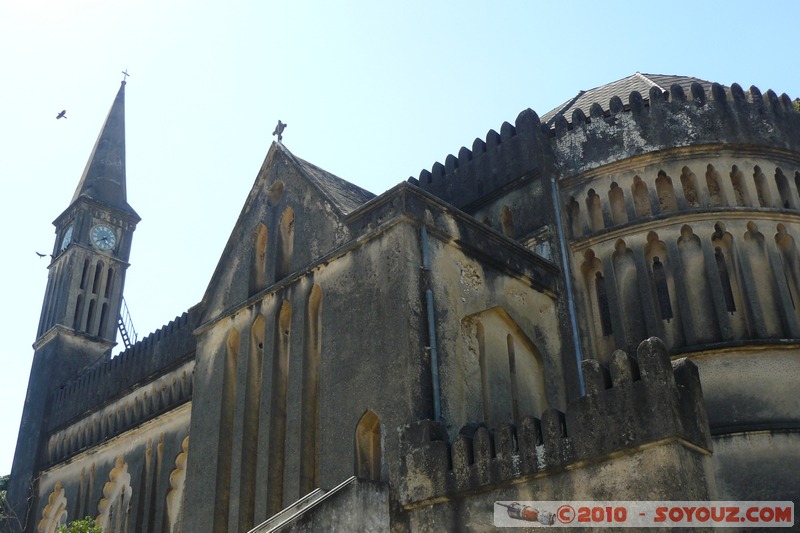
648,80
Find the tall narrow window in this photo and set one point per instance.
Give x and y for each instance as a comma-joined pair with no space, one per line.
574,217
725,280
662,290
90,316
97,271
507,221
76,319
512,369
85,274
109,282
785,192
602,303
283,266
368,447
101,329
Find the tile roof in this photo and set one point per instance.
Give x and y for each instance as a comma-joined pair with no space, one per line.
343,194
637,82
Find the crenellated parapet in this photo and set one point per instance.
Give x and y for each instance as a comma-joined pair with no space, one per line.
628,404
604,134
672,119
518,150
163,350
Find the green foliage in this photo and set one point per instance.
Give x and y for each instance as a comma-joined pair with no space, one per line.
797,105
87,525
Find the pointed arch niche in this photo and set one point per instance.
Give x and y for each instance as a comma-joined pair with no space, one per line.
761,283
368,447
177,480
663,285
630,300
702,326
597,299
258,265
309,432
114,507
729,278
510,366
283,264
251,416
54,513
791,266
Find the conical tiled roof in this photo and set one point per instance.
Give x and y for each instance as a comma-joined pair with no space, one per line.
622,88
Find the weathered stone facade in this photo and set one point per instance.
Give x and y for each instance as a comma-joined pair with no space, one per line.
531,320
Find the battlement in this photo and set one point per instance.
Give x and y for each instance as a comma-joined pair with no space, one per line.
503,157
661,120
155,354
671,119
633,402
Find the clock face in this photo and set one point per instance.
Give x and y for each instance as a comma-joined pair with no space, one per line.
104,237
67,239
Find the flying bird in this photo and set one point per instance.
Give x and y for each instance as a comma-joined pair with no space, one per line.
63,114
40,255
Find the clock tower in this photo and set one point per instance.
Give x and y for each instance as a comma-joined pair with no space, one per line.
81,307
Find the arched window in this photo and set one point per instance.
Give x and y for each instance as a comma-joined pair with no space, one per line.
97,271
689,184
630,300
84,274
109,282
785,192
662,290
368,460
602,303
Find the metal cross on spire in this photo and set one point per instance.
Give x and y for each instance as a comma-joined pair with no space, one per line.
279,130
125,76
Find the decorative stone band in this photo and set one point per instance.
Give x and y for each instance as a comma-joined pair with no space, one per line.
633,402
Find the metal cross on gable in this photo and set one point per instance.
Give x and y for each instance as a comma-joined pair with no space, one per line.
125,75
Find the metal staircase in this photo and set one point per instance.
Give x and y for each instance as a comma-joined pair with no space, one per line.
125,325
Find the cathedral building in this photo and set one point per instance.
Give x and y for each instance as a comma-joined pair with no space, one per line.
599,304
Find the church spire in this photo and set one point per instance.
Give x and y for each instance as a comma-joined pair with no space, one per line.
103,178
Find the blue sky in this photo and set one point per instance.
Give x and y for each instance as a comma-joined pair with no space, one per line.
371,91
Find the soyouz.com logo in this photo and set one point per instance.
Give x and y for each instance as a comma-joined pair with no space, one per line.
760,514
